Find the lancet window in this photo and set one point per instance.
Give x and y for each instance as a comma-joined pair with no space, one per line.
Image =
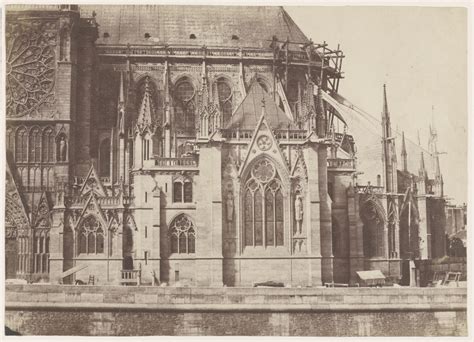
224,93
182,235
91,236
185,107
263,206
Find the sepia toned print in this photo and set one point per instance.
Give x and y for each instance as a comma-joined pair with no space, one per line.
197,170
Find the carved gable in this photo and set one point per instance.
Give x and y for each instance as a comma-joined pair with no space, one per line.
264,143
299,169
92,184
16,218
92,207
42,215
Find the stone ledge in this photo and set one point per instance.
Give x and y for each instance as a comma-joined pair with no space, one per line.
46,306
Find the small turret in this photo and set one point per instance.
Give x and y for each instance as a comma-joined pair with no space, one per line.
404,154
121,109
388,148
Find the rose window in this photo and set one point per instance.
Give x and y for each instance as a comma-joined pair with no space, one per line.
263,171
30,67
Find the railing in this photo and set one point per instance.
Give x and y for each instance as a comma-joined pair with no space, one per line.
130,277
169,162
339,163
283,134
363,189
193,51
107,201
286,134
237,133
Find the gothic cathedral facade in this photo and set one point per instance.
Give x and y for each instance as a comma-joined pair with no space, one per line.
193,145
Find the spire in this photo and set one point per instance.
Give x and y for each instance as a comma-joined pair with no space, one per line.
121,108
385,115
121,96
388,148
422,170
146,108
404,153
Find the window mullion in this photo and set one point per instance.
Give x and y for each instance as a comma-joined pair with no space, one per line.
187,242
264,219
253,218
274,220
86,236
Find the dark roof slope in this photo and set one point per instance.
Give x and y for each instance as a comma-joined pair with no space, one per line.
215,26
249,111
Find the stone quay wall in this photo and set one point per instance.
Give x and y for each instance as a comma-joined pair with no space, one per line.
133,311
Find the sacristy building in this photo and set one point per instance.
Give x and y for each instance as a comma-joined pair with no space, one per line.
199,145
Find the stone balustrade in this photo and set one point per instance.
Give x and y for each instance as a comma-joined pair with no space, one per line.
339,163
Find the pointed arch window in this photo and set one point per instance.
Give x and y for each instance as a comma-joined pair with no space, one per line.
104,158
373,229
185,107
41,247
224,94
48,145
182,235
263,207
35,145
293,94
21,145
10,139
91,236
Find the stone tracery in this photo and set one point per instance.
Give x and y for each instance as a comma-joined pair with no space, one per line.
30,68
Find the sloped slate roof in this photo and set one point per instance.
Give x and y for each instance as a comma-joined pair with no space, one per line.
249,111
212,25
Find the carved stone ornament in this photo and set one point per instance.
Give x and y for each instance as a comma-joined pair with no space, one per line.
264,142
30,66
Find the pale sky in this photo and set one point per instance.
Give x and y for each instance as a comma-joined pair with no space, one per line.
421,54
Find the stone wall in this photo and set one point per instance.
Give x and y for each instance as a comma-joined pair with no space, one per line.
114,310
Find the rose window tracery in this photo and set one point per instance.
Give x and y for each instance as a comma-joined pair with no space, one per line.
30,67
263,171
182,235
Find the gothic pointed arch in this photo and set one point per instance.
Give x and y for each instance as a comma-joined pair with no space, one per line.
263,142
92,184
104,157
91,208
224,93
41,232
263,204
182,235
184,96
16,215
374,219
91,235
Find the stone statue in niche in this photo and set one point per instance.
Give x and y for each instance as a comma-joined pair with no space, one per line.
59,198
230,206
298,213
62,149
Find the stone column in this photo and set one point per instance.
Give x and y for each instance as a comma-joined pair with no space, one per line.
145,219
356,247
312,212
326,217
209,213
56,244
423,229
